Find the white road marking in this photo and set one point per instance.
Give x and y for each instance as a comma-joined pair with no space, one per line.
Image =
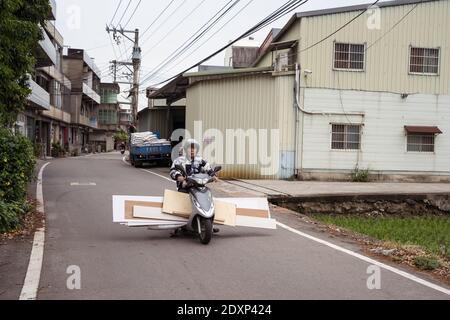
148,171
88,184
31,283
354,254
368,260
158,175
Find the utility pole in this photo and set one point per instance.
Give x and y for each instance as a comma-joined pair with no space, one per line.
136,68
136,63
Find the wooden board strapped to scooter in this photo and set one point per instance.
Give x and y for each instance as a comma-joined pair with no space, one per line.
176,207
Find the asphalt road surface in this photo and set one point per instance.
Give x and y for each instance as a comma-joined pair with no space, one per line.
117,262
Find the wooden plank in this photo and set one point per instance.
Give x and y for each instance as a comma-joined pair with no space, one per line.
177,203
256,213
251,222
129,205
155,214
225,213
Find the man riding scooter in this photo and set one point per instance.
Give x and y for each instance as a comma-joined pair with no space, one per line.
192,164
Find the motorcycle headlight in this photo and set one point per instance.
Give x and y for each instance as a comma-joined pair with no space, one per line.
201,181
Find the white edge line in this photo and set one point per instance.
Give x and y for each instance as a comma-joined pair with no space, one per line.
158,175
148,171
31,283
368,260
351,253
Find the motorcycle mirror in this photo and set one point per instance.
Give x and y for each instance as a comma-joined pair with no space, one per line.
217,169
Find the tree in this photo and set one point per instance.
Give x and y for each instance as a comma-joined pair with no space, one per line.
20,33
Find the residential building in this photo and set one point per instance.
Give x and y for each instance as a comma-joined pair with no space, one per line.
108,118
372,95
242,54
47,117
85,98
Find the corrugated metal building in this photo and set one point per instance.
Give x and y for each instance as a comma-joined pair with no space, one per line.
374,95
254,99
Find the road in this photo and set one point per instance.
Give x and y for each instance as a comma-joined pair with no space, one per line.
122,263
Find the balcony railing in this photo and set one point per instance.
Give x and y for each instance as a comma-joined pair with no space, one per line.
88,122
88,91
47,56
57,75
39,96
53,13
58,114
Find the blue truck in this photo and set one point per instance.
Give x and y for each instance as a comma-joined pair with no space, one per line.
147,148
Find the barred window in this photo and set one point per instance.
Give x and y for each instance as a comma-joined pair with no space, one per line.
349,56
424,61
107,117
421,142
346,137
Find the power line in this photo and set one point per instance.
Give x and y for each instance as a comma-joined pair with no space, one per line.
177,25
164,22
123,15
151,24
394,26
115,13
220,29
159,16
276,15
186,45
131,17
339,29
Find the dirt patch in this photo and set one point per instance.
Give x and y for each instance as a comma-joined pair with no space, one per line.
369,207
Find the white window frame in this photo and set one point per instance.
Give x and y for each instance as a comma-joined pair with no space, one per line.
346,69
424,73
361,127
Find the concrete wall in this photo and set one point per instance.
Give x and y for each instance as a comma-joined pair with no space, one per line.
384,139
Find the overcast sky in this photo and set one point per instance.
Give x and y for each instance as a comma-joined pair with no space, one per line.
83,22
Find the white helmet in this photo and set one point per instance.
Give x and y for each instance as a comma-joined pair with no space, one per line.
189,144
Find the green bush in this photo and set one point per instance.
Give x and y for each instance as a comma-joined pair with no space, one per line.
57,150
121,136
359,175
17,164
426,263
10,214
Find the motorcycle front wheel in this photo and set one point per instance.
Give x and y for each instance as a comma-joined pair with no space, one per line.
206,227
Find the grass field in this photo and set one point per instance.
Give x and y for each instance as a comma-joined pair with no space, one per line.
431,233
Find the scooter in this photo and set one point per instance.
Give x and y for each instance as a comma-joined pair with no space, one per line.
122,150
202,216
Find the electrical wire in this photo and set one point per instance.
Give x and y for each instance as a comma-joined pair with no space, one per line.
215,33
131,17
276,15
164,22
197,35
123,15
340,28
115,13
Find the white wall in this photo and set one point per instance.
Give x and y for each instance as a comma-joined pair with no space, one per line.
383,138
